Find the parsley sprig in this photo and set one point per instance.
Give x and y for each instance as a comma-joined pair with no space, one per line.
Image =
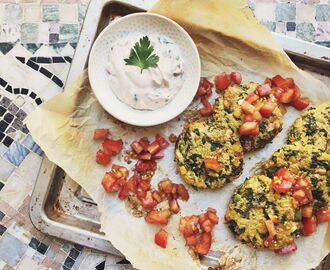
141,55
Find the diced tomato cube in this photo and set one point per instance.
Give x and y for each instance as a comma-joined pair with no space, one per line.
300,196
207,225
307,211
278,92
212,164
167,186
119,171
251,98
144,166
154,147
207,110
257,117
203,217
281,185
191,240
145,156
207,84
148,202
249,129
247,108
182,192
204,244
201,90
236,77
132,183
287,249
141,194
284,173
301,183
109,181
144,142
163,143
144,185
137,147
158,155
101,133
300,103
102,158
264,90
323,214
123,192
213,217
174,206
296,93
287,96
158,216
188,225
161,238
156,196
267,109
309,225
112,147
279,81
222,81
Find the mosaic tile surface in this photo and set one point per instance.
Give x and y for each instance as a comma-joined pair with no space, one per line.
37,40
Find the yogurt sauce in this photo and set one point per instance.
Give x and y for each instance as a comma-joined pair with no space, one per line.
154,87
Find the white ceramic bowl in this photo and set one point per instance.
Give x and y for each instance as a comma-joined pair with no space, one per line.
146,23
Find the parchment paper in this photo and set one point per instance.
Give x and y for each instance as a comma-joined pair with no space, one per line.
228,38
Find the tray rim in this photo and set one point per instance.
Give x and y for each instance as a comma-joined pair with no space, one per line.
47,170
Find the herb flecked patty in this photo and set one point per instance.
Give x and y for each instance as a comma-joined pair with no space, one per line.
307,161
313,127
254,202
208,140
269,127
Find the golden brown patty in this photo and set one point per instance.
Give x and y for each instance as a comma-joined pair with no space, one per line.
304,160
208,140
269,127
252,204
313,127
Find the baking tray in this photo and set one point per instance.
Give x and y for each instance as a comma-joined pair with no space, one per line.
61,208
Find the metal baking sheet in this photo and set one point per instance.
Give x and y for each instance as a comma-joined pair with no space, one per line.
61,208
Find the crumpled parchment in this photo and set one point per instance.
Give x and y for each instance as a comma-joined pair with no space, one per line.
228,38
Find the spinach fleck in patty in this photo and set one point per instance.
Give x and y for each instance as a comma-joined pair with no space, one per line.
312,127
307,161
254,202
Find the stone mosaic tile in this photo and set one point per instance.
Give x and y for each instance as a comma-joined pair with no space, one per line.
306,31
50,13
13,13
323,13
11,249
285,12
29,33
6,169
68,33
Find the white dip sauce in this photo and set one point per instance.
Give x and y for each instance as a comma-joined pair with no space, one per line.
154,87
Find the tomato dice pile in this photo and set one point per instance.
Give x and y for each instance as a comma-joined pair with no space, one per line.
203,92
287,92
197,230
223,80
109,147
300,189
145,150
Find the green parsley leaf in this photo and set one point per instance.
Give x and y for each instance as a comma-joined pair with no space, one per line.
141,55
